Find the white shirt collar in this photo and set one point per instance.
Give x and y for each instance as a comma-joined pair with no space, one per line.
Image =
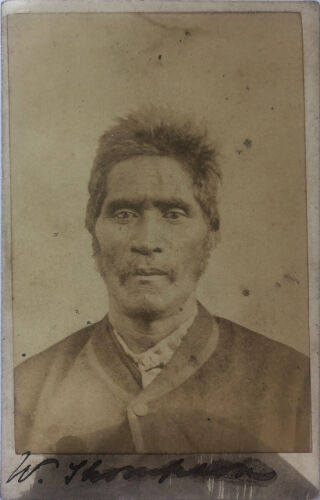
153,360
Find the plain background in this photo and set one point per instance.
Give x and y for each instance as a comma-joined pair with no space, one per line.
70,75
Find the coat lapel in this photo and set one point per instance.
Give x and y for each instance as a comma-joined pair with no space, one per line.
195,349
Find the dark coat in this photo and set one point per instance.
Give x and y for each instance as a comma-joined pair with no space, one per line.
226,389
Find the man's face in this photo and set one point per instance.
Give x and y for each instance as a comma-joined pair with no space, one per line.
153,236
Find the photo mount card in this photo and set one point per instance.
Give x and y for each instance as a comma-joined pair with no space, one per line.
160,232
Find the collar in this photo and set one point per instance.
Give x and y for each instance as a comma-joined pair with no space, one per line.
197,347
153,360
202,340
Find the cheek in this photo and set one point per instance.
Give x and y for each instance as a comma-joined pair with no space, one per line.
193,256
194,244
113,247
111,239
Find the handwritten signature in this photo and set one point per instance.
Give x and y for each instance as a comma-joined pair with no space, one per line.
250,469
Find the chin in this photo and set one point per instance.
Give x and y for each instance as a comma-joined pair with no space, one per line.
145,313
146,308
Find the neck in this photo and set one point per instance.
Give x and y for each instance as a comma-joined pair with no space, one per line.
139,334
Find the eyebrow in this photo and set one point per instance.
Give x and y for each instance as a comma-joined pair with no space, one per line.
120,203
138,205
171,203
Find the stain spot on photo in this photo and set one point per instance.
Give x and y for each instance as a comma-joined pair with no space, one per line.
193,359
289,277
247,143
245,292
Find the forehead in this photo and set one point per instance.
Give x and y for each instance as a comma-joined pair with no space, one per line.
149,177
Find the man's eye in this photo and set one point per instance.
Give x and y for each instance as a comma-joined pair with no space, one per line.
174,214
124,215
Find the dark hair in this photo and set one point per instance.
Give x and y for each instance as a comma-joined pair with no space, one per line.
155,132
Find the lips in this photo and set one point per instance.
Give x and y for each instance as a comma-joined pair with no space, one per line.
149,272
146,274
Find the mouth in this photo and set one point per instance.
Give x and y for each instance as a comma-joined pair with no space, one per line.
148,272
146,275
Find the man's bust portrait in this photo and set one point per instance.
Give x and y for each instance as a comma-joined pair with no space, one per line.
159,373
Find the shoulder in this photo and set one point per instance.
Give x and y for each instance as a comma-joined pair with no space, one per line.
62,355
255,346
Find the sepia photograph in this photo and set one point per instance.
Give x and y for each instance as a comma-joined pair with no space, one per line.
159,237
159,373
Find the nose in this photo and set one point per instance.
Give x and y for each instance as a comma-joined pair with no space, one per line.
144,250
146,237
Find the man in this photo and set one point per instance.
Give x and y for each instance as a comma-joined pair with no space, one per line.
159,374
